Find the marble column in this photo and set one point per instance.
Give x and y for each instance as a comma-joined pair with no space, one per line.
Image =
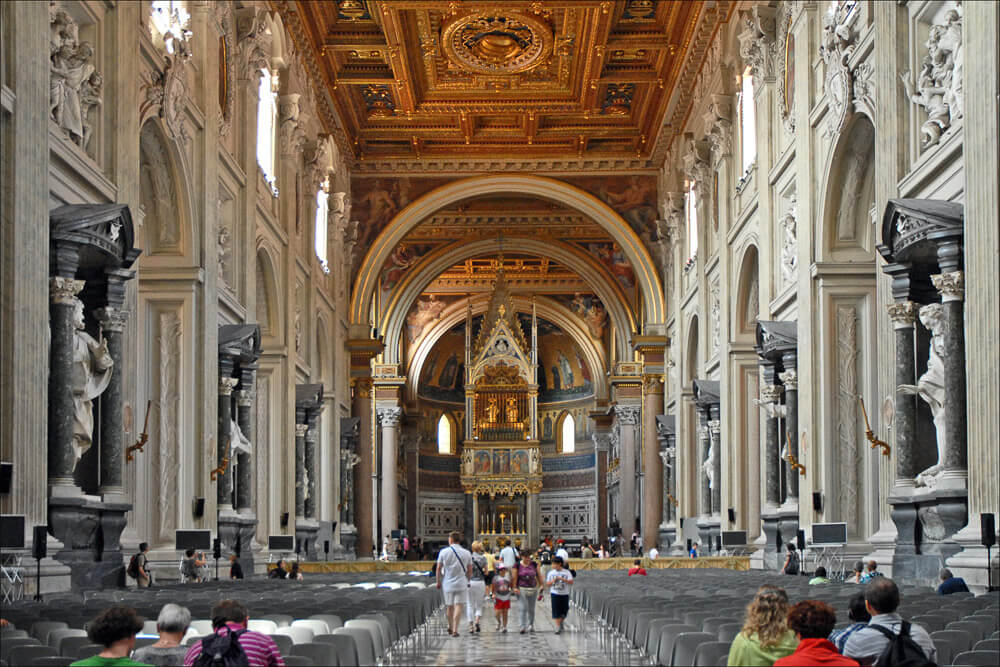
300,469
954,466
601,445
364,485
772,490
652,492
244,461
704,489
62,458
389,420
628,419
715,433
903,315
224,481
112,321
790,379
310,441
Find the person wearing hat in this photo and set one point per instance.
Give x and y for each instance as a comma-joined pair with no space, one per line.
501,595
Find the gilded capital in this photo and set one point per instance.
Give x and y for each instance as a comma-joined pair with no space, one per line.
903,314
63,291
951,285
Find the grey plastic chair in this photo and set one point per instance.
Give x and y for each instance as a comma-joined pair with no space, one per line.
9,644
364,644
950,643
709,653
88,650
347,650
987,645
686,645
668,636
977,659
728,632
22,655
284,643
320,654
299,661
374,628
70,645
975,630
56,637
332,620
41,629
52,661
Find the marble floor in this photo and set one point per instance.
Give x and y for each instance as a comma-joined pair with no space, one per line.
579,643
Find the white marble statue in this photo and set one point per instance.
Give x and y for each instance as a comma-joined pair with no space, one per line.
92,368
709,465
237,441
930,387
939,87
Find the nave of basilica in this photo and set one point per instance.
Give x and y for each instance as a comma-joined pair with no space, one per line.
352,269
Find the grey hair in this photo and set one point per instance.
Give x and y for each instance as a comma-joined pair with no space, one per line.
173,618
945,574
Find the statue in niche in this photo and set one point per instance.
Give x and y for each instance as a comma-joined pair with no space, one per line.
92,368
90,98
238,442
511,413
73,88
789,249
930,387
492,411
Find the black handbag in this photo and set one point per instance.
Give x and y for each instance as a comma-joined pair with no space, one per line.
487,576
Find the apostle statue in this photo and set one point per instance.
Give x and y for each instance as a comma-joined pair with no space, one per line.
92,368
930,386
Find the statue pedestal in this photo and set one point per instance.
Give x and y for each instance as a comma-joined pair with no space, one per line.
306,535
927,521
708,530
666,538
348,542
770,519
788,526
241,528
90,531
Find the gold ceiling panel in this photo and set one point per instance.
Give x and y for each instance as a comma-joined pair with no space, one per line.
555,78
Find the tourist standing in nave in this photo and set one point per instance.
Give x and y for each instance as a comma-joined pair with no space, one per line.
454,574
526,588
477,587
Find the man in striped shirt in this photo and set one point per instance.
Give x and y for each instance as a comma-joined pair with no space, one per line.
232,615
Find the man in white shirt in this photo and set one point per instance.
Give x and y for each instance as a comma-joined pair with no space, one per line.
509,556
654,552
562,553
454,571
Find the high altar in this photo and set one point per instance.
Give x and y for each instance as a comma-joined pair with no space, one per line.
501,461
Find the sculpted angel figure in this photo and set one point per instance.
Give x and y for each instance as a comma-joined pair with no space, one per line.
930,386
92,368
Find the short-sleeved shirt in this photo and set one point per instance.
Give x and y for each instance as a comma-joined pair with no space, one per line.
653,553
260,649
868,576
188,568
562,553
501,587
527,575
98,661
509,556
453,563
483,567
558,580
637,570
491,564
866,645
840,637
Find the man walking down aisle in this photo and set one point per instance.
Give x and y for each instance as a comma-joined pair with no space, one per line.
454,574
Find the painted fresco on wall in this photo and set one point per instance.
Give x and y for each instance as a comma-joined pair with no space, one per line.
374,202
484,462
611,256
501,461
632,197
519,462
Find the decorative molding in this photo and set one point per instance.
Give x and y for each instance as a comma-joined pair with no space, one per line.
718,119
226,385
757,40
389,417
291,135
903,313
836,48
790,379
628,415
950,285
847,414
789,246
112,319
74,83
771,393
301,430
784,39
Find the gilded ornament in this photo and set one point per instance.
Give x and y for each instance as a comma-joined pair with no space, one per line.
487,42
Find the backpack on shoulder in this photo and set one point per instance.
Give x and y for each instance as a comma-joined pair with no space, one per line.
902,651
222,651
133,567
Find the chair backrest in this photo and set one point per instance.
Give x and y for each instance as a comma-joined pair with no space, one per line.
298,633
298,661
950,643
347,650
22,655
713,624
728,632
686,645
149,627
263,625
655,631
364,643
987,645
708,654
387,624
202,627
317,626
40,629
9,643
88,650
668,636
372,627
977,658
319,653
51,661
57,636
68,646
281,619
974,629
284,643
930,622
332,621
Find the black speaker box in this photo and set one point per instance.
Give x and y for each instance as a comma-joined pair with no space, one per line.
732,515
6,476
284,519
718,543
238,549
326,546
40,542
216,549
988,529
198,508
689,546
800,538
817,501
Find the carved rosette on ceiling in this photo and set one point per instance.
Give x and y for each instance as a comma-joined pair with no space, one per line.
491,42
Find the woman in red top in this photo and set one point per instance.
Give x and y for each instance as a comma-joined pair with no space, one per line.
637,568
813,622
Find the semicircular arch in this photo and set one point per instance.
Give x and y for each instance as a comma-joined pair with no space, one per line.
549,309
417,280
646,271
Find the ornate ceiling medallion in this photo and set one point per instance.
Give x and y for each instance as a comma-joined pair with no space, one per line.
486,42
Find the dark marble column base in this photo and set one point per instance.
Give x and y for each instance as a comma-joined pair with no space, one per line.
90,531
307,534
349,541
926,524
231,527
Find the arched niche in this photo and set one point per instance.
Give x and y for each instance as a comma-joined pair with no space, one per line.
422,274
646,271
748,294
268,307
165,200
548,309
847,233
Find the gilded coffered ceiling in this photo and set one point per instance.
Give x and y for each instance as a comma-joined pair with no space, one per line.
421,79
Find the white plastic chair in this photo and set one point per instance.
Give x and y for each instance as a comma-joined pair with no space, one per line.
367,585
414,584
332,621
264,626
299,634
202,627
149,628
390,584
317,626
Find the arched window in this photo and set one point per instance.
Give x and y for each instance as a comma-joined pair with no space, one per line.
567,434
444,436
267,114
322,209
691,204
748,121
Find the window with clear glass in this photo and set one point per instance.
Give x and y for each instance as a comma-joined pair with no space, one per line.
267,114
322,210
444,435
691,203
748,121
567,435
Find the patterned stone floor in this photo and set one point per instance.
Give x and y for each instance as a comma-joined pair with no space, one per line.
579,643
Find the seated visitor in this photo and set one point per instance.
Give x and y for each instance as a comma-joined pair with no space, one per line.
819,576
636,568
867,644
950,583
229,620
765,636
278,572
115,629
171,625
858,614
856,573
235,569
812,621
791,565
191,566
295,575
654,553
871,572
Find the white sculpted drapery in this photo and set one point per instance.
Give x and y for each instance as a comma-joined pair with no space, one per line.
92,368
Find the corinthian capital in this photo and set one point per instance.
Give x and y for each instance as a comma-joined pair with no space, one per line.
903,313
951,285
389,417
226,386
63,291
790,379
771,393
628,414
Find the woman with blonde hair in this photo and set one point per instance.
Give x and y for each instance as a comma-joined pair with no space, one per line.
765,636
477,587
